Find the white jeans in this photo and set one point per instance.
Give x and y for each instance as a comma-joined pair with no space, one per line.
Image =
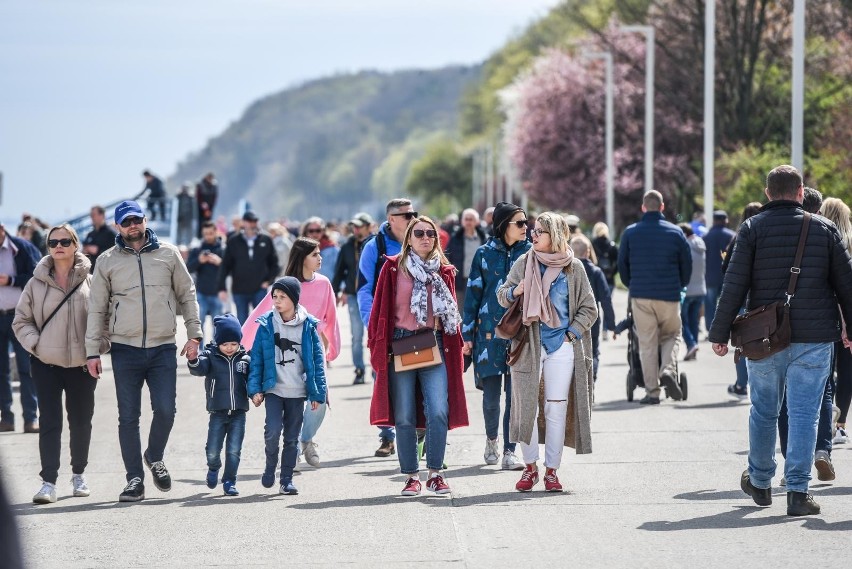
558,370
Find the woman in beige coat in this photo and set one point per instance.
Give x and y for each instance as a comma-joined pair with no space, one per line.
552,380
60,284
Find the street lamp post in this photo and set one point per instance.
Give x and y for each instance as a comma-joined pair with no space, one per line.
610,141
650,47
798,127
709,105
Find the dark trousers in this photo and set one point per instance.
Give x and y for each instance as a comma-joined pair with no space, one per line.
132,368
491,389
79,387
843,364
283,414
233,425
823,441
243,300
596,347
156,203
29,400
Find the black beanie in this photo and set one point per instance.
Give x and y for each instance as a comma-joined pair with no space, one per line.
289,286
226,328
503,212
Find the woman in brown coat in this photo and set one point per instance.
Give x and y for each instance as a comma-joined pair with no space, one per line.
50,323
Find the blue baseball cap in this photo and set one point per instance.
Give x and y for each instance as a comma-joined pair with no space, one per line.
128,208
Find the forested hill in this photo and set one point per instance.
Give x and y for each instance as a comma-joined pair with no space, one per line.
331,146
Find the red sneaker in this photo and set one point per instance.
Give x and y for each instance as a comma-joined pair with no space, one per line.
437,485
412,487
551,481
528,479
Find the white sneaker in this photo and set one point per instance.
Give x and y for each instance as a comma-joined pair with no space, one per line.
78,483
511,462
47,494
309,449
840,437
492,453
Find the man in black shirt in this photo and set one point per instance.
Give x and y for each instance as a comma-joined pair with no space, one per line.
156,195
100,238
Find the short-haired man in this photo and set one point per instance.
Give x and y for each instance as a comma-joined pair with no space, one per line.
655,264
759,271
345,285
716,241
204,262
100,238
388,241
156,195
18,259
136,291
462,247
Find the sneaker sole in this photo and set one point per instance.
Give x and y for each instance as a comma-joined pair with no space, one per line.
82,493
409,493
288,493
492,462
516,467
523,489
553,490
440,492
131,498
825,472
43,500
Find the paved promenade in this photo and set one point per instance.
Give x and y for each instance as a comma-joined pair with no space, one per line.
660,489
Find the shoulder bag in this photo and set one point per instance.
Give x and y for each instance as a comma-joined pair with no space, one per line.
765,330
60,305
511,327
416,351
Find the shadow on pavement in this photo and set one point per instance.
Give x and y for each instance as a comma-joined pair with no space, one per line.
29,509
734,519
430,499
717,405
617,406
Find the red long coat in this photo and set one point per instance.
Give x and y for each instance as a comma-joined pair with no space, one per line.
380,334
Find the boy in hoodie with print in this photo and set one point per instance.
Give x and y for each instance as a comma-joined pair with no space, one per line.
287,369
224,364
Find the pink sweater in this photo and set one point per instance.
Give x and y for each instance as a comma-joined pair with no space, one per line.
318,299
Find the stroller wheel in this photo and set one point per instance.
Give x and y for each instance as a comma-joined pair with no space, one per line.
683,385
630,386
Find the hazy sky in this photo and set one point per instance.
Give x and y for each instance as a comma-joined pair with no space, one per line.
93,91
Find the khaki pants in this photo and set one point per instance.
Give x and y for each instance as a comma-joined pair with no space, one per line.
658,327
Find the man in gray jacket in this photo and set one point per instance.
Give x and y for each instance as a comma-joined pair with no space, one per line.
137,288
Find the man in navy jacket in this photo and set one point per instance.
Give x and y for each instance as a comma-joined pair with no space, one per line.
655,264
717,241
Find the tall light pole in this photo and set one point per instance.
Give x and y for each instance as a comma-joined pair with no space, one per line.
798,126
709,104
610,139
650,46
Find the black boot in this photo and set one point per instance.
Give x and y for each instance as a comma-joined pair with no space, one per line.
761,496
801,504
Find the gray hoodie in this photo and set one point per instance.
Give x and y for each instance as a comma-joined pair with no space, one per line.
289,368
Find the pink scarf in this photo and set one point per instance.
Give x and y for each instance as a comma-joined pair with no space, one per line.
537,305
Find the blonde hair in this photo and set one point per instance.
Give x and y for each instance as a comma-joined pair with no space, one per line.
554,224
75,239
600,230
436,251
838,213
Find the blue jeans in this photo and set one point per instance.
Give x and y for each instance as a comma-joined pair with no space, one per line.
690,314
491,407
357,331
29,399
132,368
436,408
802,369
710,302
283,414
826,409
242,302
232,424
209,305
311,422
387,433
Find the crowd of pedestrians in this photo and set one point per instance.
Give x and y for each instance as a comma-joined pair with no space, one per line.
431,299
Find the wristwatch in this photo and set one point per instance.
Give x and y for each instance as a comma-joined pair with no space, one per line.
571,337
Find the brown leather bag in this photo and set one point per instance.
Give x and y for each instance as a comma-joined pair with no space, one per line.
511,327
765,330
416,351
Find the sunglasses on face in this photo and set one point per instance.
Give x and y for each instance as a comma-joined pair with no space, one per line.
128,221
421,233
408,215
54,243
521,223
314,230
538,232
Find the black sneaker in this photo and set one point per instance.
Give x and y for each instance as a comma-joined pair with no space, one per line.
161,477
669,381
359,376
386,449
648,400
133,492
738,391
801,504
761,496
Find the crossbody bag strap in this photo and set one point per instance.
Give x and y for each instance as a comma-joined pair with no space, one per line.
797,264
60,305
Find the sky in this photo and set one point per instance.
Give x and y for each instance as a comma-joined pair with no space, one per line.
94,91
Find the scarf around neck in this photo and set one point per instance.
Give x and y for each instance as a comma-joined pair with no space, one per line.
536,298
443,303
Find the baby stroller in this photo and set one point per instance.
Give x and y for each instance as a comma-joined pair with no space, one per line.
634,372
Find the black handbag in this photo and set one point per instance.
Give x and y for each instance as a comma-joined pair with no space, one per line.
765,330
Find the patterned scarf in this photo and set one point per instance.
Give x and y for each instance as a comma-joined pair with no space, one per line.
443,303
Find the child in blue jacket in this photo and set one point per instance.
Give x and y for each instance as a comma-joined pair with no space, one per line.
287,368
225,367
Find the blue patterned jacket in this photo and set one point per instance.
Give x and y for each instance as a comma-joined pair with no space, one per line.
482,312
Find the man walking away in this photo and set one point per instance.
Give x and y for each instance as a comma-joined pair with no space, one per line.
655,264
759,271
716,242
137,288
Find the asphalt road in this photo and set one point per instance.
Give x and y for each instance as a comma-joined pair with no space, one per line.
660,489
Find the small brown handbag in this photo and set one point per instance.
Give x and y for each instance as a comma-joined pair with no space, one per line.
765,330
511,327
416,351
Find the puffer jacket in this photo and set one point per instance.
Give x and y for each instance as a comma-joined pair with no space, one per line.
139,294
62,341
653,259
225,378
760,268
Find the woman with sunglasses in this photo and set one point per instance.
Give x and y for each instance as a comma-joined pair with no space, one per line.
482,312
559,308
50,323
315,228
415,292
